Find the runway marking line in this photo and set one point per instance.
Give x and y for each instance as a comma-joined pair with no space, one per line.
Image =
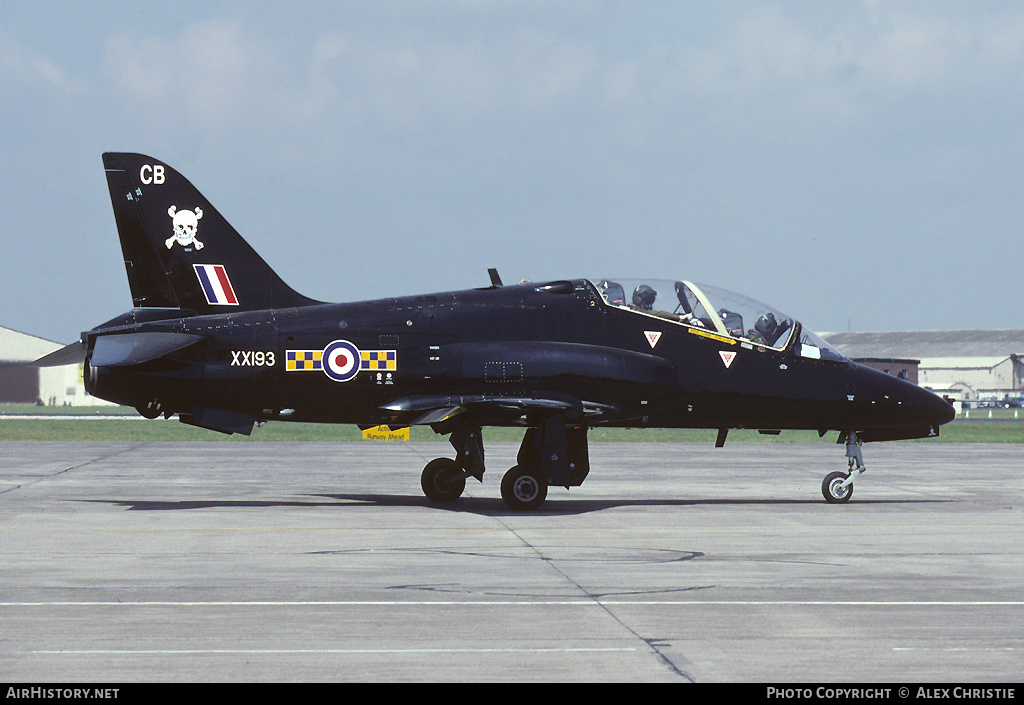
955,648
531,603
86,652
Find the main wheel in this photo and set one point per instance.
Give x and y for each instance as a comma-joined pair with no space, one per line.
832,489
524,487
441,480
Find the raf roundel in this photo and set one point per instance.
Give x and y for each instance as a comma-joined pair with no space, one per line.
341,361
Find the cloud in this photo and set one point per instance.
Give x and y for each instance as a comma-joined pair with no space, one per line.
405,80
27,67
207,76
869,51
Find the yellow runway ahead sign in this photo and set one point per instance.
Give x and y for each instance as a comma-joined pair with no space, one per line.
383,433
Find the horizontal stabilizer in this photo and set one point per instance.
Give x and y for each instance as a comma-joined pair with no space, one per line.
73,354
127,349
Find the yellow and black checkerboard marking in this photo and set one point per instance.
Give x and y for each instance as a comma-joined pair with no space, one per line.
369,360
378,360
298,360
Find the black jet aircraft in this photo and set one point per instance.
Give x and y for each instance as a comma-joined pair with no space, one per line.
216,337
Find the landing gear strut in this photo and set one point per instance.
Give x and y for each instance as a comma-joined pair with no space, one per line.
837,487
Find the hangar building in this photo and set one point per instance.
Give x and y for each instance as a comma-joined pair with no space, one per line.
966,365
50,386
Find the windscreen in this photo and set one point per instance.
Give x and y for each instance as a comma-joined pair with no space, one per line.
714,309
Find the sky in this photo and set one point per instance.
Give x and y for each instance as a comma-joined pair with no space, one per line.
857,164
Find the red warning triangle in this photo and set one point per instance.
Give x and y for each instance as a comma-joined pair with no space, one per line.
653,336
727,357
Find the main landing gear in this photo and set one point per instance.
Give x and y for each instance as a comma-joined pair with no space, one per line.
443,480
524,487
550,454
837,487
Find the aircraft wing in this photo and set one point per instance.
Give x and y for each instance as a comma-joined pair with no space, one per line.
427,409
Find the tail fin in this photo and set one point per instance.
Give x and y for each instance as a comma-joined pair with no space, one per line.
179,252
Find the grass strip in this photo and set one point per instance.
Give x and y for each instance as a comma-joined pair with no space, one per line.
103,424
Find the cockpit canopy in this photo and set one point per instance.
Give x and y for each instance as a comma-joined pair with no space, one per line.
715,310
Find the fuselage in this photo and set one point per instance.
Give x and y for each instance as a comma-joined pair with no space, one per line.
383,361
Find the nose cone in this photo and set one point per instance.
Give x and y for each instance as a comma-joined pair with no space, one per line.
896,403
929,408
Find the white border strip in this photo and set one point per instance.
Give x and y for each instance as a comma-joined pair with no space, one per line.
532,603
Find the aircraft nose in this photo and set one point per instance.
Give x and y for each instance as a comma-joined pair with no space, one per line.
932,409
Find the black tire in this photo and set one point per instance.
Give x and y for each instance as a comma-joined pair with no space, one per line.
831,490
440,481
149,412
524,488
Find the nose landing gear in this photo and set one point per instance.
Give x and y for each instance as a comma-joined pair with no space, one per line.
837,487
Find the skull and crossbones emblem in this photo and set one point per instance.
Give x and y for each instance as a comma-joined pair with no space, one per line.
185,225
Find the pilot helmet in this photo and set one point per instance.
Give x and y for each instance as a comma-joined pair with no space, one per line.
643,297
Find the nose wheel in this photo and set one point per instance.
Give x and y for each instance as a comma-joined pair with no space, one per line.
837,487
